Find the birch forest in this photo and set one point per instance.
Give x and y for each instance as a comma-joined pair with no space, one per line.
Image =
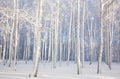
59,39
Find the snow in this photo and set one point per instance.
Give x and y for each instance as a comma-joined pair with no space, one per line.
62,71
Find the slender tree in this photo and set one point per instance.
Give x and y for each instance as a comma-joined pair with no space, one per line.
56,36
82,36
16,32
69,36
91,40
101,39
37,36
78,41
4,49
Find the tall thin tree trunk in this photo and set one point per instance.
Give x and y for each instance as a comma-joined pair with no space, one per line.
82,43
50,40
101,40
38,36
69,37
111,39
11,36
78,41
28,47
56,37
91,41
4,49
16,34
61,43
107,40
118,59
53,52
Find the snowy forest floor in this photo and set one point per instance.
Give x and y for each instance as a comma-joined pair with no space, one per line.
63,71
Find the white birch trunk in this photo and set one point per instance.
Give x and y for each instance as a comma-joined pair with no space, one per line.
56,37
99,68
69,37
61,44
50,40
11,36
82,36
111,39
91,43
4,48
78,41
37,36
16,33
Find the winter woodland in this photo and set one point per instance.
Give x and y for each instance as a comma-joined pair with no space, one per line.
60,39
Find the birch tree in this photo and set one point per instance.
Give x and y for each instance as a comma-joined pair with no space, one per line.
37,36
16,32
56,36
91,40
69,34
102,6
4,49
11,35
82,36
78,41
101,38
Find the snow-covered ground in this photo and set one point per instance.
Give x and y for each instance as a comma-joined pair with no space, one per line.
63,71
